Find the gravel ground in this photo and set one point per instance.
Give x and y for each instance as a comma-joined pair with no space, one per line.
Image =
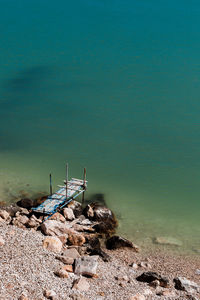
26,267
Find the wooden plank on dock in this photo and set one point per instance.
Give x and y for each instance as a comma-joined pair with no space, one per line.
59,199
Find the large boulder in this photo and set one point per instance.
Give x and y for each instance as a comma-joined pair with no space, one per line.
106,219
53,227
86,265
119,242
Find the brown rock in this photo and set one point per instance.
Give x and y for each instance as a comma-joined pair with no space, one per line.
52,244
20,221
66,260
68,214
32,223
22,211
76,239
68,268
61,273
152,276
63,238
81,284
57,217
72,253
118,242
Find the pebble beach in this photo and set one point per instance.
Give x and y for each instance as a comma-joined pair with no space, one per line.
32,268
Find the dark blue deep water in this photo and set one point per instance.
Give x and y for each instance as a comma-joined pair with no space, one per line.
113,86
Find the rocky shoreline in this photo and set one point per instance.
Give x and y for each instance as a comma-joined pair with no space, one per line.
76,254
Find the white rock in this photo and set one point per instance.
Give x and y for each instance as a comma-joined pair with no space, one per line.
68,214
182,283
53,227
52,243
86,265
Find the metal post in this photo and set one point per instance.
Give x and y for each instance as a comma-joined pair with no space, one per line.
50,185
84,186
66,179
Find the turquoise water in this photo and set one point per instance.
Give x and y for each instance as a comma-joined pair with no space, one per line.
113,86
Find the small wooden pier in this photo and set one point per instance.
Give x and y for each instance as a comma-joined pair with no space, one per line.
72,189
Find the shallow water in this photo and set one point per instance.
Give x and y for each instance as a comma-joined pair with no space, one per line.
113,86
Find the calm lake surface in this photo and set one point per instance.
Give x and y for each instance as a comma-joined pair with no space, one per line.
113,86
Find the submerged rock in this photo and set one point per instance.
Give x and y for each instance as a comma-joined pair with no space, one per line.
118,242
26,203
168,241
